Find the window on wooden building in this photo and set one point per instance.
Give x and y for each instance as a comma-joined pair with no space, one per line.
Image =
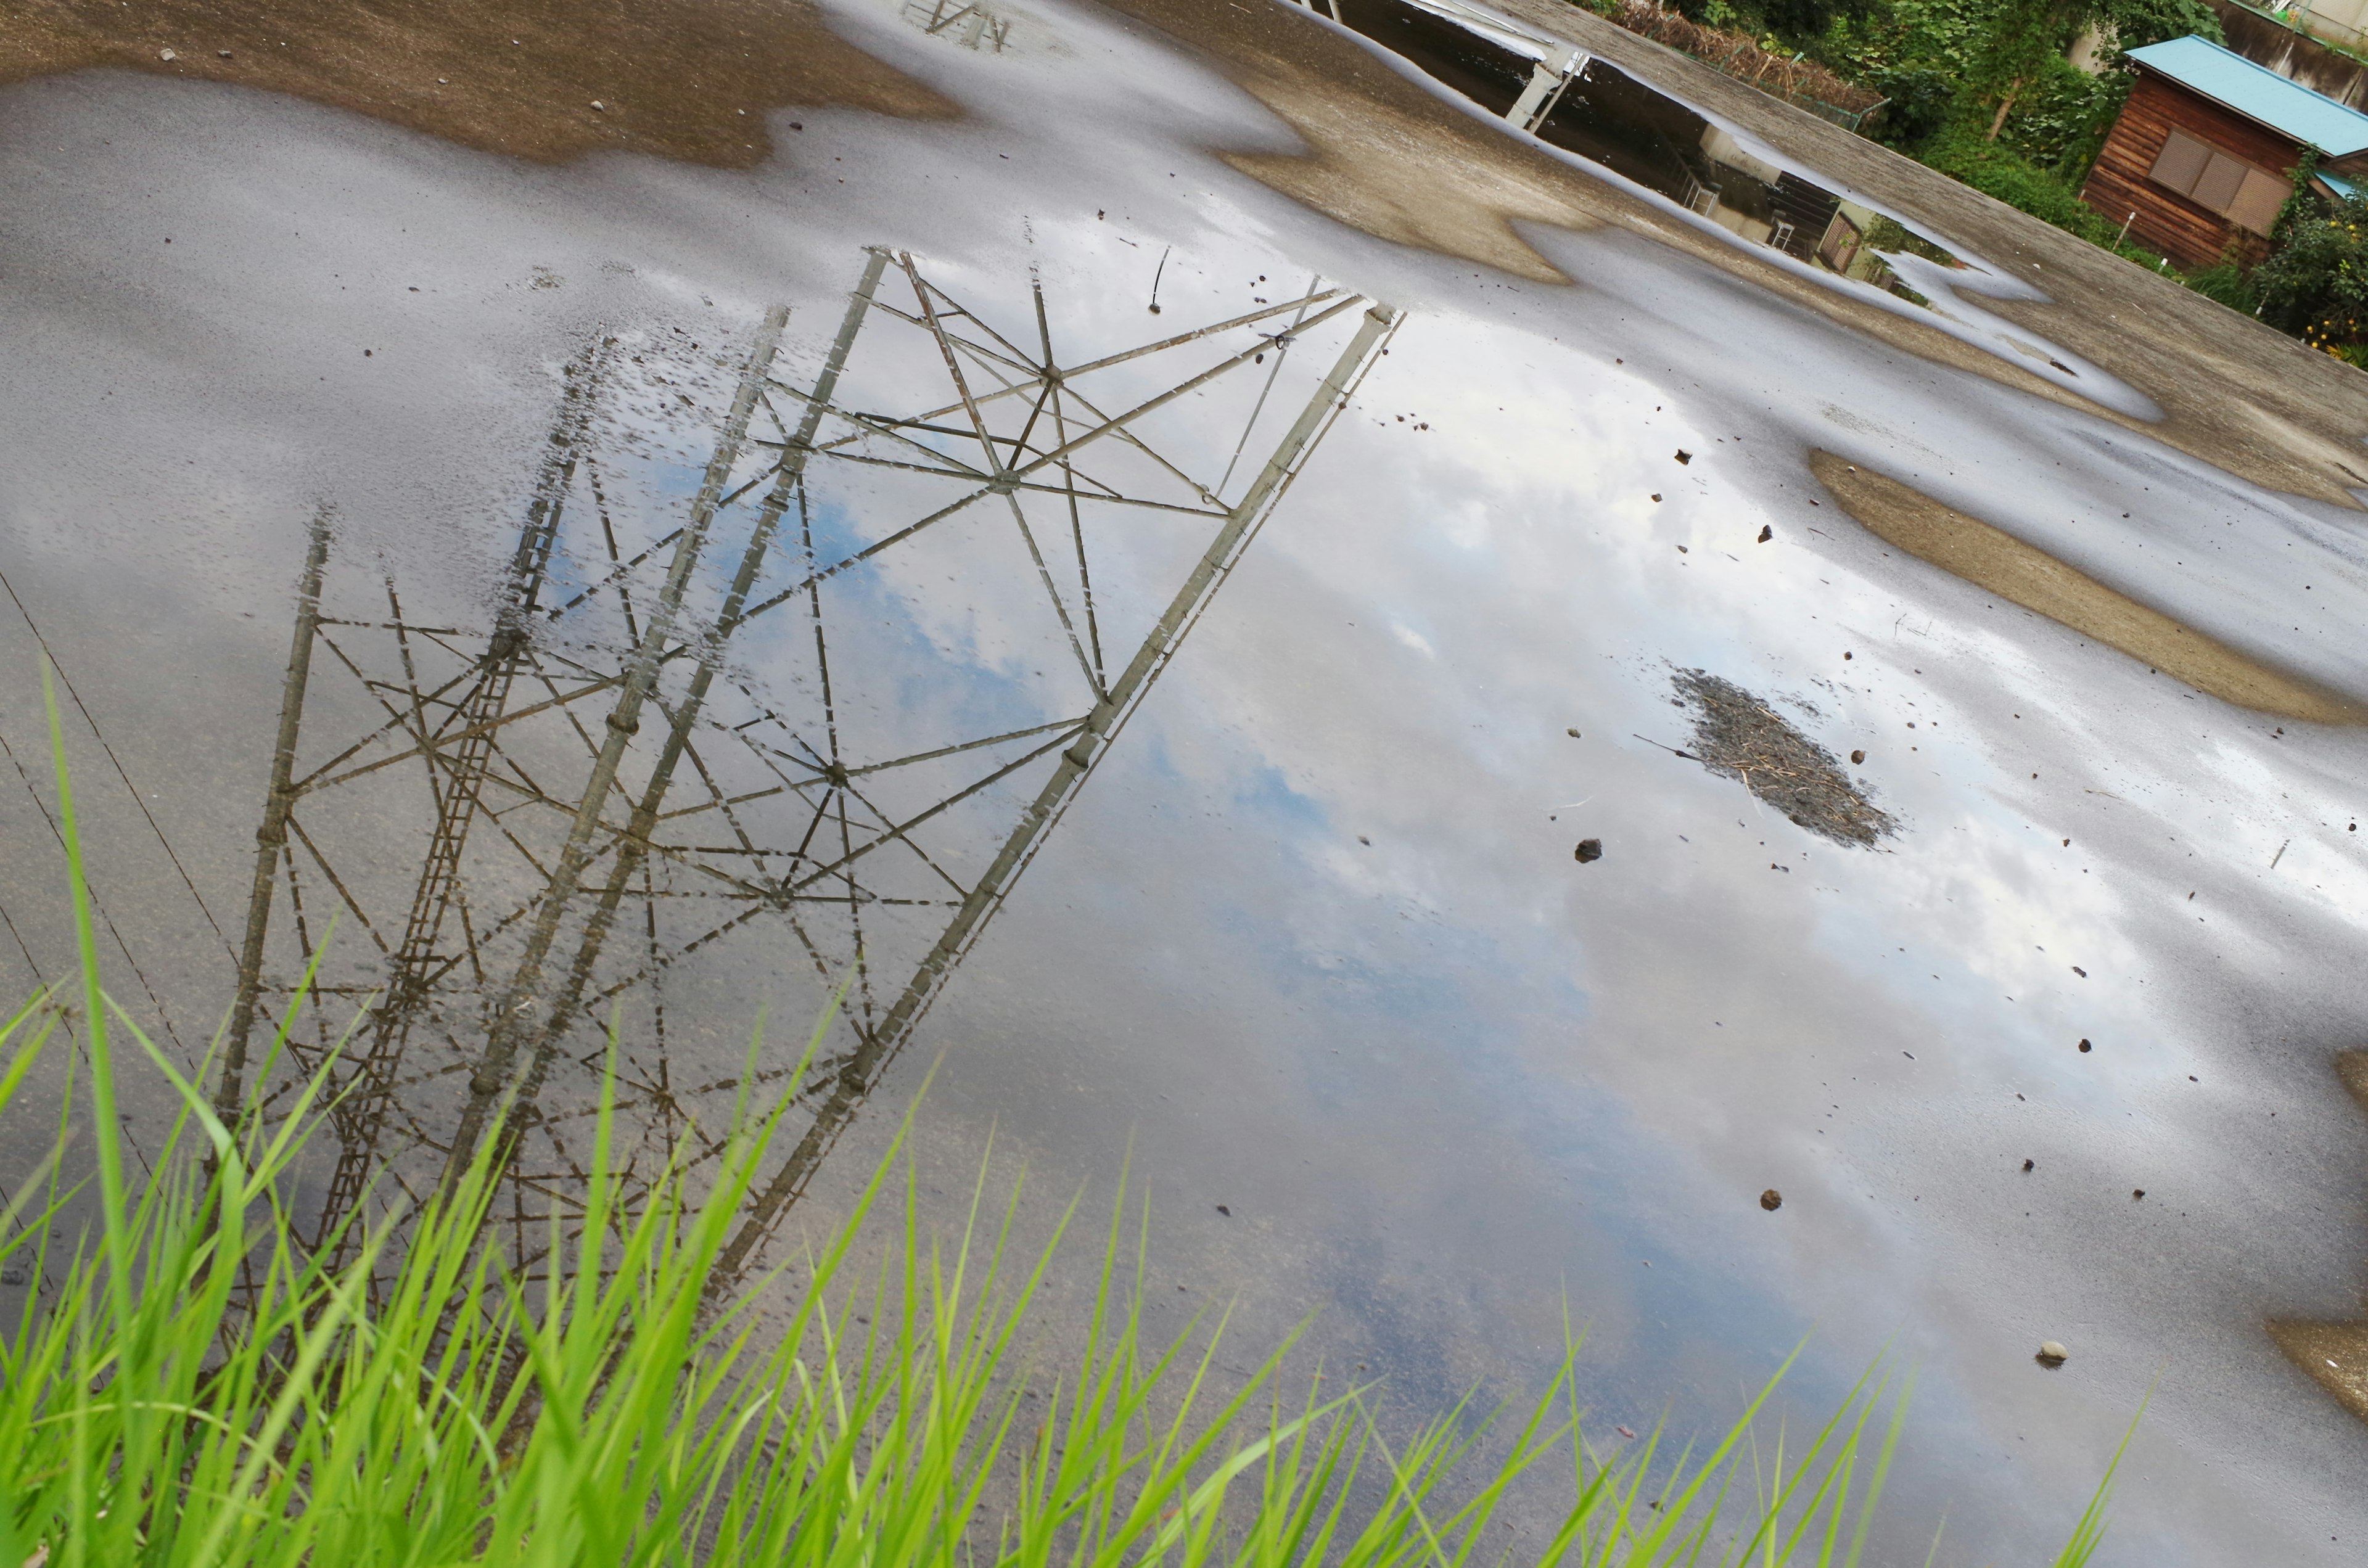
2245,196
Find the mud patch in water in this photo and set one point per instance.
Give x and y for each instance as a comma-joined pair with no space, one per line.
546,80
1998,562
1737,736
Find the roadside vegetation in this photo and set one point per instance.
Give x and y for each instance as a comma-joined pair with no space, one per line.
186,1385
1987,92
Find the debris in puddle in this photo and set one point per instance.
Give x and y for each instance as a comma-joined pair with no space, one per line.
2052,1354
1589,851
1737,736
1767,532
1771,1200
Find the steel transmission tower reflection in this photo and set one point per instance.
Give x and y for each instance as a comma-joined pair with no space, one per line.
831,705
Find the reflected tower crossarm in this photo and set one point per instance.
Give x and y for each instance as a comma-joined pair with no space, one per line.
855,1079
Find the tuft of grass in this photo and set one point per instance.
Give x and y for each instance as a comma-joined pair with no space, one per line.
195,1389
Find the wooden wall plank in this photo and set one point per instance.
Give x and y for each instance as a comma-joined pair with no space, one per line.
2190,235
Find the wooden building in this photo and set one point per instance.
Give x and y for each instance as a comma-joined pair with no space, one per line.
2205,152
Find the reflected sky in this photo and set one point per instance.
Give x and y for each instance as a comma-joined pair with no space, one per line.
1444,1077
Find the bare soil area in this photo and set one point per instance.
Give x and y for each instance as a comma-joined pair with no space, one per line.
545,80
1997,562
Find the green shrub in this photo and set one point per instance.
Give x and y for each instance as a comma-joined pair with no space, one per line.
2314,285
2227,282
1999,171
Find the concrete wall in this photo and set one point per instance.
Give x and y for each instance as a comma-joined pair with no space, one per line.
2296,56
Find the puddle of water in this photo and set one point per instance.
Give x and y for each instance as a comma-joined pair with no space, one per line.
1313,939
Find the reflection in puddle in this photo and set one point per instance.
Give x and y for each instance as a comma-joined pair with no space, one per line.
970,25
1591,107
826,706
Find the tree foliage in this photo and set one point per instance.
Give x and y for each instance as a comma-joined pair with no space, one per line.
2314,285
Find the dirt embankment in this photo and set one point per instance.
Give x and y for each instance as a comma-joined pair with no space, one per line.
545,80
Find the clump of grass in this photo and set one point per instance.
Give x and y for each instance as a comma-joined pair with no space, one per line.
196,1389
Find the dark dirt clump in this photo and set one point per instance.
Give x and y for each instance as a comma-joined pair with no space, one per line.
1737,736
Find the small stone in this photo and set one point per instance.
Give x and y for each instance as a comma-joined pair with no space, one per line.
1767,532
2085,1046
224,53
1684,456
2136,1193
1857,756
2052,1354
167,54
1771,1200
1657,496
598,104
1226,1211
1572,734
1589,851
2030,1165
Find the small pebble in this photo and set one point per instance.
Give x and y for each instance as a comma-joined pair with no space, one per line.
1767,532
2029,1164
167,54
1588,850
2052,1354
598,104
1857,756
1685,457
2085,1046
1771,1200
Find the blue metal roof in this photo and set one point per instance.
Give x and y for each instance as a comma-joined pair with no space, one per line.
2258,93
